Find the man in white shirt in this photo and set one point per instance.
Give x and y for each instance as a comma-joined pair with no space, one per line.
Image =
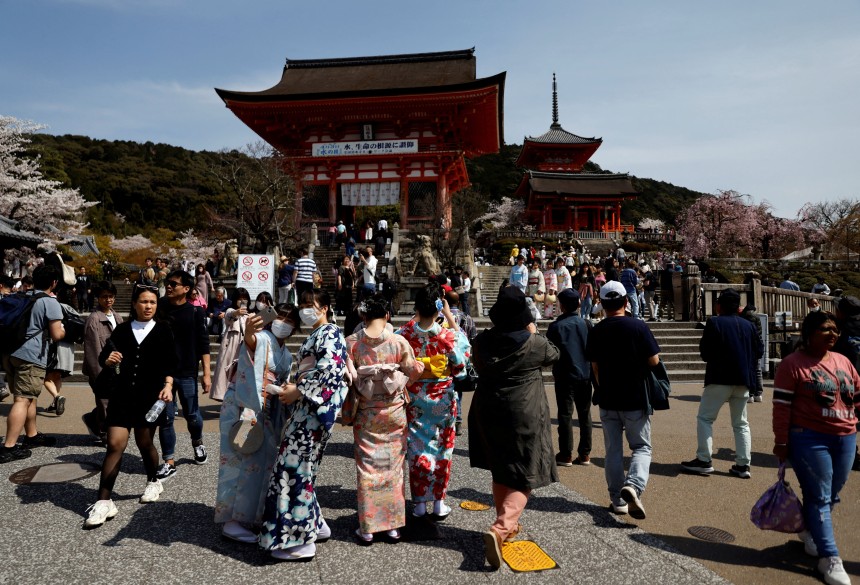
382,225
368,266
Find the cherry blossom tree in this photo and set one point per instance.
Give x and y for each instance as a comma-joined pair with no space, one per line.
506,213
131,244
835,224
651,224
774,237
41,206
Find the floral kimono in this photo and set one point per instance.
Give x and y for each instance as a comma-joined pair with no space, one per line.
242,478
535,283
292,514
564,279
550,309
384,366
432,408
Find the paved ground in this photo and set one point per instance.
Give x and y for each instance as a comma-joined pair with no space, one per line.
174,539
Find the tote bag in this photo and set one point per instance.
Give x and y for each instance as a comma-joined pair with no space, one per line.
778,509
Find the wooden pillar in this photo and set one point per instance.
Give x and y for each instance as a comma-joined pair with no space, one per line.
576,218
332,201
404,201
618,216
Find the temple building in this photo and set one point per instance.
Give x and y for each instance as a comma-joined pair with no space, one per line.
384,130
558,194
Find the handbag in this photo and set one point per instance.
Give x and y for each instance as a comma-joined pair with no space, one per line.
246,436
778,508
539,296
469,382
73,324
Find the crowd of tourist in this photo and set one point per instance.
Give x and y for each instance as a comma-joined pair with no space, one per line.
401,390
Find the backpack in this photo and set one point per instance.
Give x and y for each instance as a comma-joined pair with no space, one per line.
15,311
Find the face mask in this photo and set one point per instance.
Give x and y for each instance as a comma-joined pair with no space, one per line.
309,316
260,305
281,329
815,309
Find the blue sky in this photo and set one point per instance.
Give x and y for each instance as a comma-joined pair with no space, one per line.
760,97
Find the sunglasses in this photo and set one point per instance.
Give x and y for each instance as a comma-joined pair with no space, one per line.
172,284
146,287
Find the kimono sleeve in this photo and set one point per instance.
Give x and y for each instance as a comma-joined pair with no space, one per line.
323,386
459,355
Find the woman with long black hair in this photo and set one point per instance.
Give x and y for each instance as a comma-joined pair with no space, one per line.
142,353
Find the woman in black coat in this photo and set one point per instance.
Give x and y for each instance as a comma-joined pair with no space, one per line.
509,421
142,354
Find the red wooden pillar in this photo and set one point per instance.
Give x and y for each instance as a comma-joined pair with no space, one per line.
404,201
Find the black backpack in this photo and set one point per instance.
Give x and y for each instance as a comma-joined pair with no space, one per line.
15,311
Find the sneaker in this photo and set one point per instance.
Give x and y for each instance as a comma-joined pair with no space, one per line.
741,471
165,471
100,512
235,531
582,460
751,399
833,571
808,544
4,393
629,495
39,440
493,548
563,460
51,407
758,398
301,553
90,423
60,405
619,509
152,491
697,466
16,453
200,456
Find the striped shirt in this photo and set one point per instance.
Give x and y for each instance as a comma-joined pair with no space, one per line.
305,268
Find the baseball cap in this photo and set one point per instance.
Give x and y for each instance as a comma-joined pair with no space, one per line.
612,290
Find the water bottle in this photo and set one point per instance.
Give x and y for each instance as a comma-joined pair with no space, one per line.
156,409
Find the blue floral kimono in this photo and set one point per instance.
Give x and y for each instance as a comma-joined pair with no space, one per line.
292,516
242,479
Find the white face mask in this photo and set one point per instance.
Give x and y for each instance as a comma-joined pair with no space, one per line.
281,329
309,316
260,305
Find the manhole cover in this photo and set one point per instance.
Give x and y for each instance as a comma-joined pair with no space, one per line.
54,473
474,506
711,534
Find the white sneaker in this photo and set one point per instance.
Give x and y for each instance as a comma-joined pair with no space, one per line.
99,512
750,400
808,544
235,531
152,491
619,509
833,571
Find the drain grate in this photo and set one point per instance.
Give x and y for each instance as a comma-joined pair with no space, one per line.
711,534
54,473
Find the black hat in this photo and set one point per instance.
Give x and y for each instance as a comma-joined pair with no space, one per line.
567,296
849,306
511,313
729,297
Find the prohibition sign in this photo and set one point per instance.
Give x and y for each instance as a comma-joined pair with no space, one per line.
264,276
264,261
247,260
246,276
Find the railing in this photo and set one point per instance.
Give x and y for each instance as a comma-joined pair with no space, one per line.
555,235
768,300
826,265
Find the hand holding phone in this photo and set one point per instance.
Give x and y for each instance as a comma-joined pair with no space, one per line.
268,314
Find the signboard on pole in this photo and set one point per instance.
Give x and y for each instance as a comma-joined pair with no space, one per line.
256,274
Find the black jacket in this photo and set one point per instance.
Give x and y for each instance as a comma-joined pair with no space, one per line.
569,333
731,346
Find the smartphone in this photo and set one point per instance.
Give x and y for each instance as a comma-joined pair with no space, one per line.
268,314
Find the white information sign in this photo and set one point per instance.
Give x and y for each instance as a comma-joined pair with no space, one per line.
364,147
256,274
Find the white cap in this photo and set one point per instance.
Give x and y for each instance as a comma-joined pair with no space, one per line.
612,290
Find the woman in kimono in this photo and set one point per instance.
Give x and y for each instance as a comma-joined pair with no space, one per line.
292,520
242,478
432,408
385,364
536,285
234,333
509,420
585,287
550,304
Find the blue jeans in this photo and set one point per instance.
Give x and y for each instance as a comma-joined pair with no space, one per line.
185,389
585,308
633,302
636,426
822,463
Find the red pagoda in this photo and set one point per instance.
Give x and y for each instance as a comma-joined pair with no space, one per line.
384,130
559,196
